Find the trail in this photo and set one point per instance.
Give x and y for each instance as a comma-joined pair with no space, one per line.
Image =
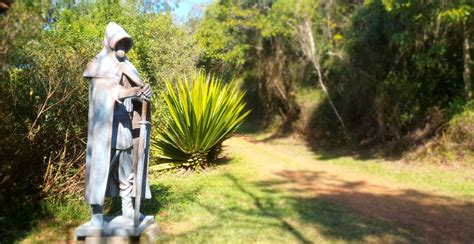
294,169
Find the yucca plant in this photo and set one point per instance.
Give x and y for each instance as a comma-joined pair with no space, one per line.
204,112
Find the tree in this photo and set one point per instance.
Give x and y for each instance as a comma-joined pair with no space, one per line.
234,39
302,19
460,13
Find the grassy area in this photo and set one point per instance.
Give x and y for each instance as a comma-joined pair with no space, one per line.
226,206
451,181
455,181
234,203
309,96
43,222
243,200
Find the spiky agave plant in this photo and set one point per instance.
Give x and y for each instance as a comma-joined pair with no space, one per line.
204,112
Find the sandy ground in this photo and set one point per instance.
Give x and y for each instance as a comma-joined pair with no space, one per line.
295,169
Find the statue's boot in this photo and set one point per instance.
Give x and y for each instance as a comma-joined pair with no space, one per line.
126,179
127,208
97,219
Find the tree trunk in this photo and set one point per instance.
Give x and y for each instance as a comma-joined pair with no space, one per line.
308,46
467,74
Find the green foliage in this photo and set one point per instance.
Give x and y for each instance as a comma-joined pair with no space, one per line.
222,35
388,64
462,125
459,136
389,99
400,60
457,14
241,40
44,98
204,112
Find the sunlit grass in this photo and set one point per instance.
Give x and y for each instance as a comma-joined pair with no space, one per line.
445,180
241,201
230,205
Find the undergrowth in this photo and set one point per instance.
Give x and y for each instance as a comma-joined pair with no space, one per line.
455,145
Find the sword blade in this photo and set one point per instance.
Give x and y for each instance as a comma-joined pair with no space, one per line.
143,149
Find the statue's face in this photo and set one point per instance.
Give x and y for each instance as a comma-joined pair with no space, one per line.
120,54
121,48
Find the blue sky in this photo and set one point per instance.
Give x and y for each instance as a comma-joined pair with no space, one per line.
185,6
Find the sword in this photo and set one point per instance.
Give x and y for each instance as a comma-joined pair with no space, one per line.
143,156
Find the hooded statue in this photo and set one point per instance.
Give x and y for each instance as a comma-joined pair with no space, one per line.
115,93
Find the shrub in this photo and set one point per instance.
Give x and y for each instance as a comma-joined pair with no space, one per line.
204,112
43,96
460,133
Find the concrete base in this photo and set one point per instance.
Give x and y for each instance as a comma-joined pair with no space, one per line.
118,229
149,235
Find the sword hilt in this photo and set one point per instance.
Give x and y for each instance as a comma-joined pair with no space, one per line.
144,109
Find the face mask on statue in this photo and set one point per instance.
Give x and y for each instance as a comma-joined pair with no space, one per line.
120,54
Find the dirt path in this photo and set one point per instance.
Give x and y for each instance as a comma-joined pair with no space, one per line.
296,170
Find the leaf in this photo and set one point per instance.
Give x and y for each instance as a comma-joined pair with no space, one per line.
204,112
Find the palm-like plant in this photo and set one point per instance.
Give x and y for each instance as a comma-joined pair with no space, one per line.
204,112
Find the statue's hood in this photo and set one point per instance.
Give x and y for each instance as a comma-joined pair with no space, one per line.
115,33
105,64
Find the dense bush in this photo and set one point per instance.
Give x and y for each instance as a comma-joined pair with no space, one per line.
413,61
457,143
204,112
43,100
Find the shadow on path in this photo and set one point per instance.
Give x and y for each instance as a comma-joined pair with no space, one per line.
17,225
273,206
439,218
266,212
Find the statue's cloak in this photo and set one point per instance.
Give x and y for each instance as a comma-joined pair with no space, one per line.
106,79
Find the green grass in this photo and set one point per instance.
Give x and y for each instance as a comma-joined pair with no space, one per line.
227,205
457,182
309,95
43,222
241,201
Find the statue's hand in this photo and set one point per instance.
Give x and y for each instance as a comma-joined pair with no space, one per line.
146,92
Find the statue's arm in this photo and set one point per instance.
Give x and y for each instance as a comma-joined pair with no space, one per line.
135,92
130,92
139,90
134,78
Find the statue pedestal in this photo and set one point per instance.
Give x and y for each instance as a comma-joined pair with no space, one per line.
118,229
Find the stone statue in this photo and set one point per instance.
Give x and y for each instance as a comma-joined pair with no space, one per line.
117,103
